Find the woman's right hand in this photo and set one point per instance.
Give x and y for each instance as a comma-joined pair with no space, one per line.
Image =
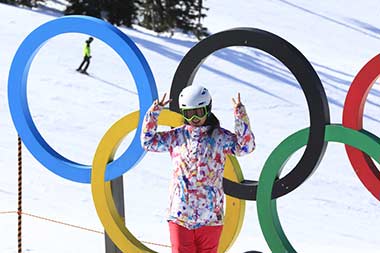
237,103
162,102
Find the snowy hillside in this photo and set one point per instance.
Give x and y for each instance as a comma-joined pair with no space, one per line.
330,212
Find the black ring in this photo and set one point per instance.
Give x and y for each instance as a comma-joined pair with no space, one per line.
306,76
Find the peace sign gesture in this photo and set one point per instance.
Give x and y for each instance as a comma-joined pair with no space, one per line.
238,102
162,102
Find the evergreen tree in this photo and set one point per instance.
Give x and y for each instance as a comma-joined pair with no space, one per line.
168,15
200,31
28,3
84,7
13,2
151,14
157,15
185,15
121,12
117,12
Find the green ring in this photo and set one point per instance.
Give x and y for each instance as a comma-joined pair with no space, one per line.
266,207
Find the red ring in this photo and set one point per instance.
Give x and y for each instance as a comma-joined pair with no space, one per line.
353,118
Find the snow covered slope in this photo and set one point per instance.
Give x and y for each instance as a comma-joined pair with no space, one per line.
332,211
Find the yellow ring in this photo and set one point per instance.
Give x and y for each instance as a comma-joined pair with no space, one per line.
102,195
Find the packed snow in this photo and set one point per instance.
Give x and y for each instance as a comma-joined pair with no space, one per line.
332,211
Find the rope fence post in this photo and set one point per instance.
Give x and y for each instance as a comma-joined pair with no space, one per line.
117,192
19,196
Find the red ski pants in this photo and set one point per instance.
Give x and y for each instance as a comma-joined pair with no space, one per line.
201,240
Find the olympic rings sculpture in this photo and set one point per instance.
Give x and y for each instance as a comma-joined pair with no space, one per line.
353,118
303,72
18,103
265,191
102,194
266,206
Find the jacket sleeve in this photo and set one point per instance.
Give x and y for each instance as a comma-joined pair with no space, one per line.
243,141
151,140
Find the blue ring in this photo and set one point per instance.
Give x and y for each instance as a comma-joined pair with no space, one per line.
18,103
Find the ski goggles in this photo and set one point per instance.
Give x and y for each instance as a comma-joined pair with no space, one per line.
194,113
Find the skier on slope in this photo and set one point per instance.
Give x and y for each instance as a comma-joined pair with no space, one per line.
198,150
86,56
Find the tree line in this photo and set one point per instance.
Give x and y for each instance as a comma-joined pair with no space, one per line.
156,15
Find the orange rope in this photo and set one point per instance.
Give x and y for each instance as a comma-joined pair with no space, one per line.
7,212
62,223
71,225
157,244
19,211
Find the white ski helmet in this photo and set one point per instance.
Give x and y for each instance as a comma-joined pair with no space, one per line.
194,97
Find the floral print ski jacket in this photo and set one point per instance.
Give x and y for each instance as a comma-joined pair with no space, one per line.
196,190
